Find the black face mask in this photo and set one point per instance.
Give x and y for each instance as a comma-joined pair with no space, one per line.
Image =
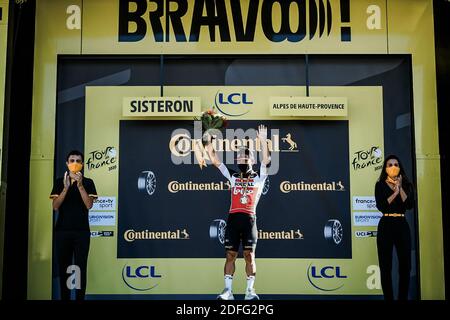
244,167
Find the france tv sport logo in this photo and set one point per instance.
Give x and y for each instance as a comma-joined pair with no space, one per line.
327,278
141,278
233,104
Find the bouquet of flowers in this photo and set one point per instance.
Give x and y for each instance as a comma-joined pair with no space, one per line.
211,120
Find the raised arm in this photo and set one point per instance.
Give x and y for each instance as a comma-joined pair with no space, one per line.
212,155
262,136
217,163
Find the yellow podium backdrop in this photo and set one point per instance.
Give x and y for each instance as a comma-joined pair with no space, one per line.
163,46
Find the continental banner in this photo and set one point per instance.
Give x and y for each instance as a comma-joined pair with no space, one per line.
170,210
157,208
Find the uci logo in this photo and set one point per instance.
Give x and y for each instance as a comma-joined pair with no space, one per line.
141,278
328,278
233,104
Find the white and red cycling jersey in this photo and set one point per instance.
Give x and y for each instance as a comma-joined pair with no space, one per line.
252,183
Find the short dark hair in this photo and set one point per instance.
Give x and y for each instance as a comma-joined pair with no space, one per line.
75,153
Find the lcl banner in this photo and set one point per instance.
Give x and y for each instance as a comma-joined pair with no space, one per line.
169,210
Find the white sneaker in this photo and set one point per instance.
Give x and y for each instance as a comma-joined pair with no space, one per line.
250,294
226,295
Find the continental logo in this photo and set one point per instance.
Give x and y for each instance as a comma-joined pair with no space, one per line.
132,235
280,235
288,186
292,144
181,145
175,186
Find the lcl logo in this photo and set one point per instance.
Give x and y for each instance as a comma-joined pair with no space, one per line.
142,272
327,272
141,278
319,277
234,98
233,104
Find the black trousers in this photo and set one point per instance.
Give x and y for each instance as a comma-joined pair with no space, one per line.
394,232
72,248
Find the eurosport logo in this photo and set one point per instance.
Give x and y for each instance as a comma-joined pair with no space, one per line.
233,104
366,219
141,278
366,234
102,218
327,278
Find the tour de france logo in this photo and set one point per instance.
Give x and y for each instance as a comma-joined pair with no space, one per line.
369,157
100,158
